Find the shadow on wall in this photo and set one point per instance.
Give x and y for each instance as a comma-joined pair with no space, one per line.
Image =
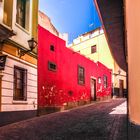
117,94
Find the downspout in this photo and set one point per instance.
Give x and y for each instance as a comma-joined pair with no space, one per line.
34,34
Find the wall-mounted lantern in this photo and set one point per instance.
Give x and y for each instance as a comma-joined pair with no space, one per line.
32,45
119,72
116,74
2,61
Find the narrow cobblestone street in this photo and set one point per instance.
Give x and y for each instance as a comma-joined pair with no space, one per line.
98,121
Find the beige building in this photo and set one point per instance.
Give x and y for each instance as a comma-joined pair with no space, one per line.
94,46
18,42
126,20
45,22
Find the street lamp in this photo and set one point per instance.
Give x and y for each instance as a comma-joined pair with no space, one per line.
32,44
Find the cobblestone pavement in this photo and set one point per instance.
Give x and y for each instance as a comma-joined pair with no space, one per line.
98,121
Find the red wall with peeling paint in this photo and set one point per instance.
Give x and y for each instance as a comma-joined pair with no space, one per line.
54,86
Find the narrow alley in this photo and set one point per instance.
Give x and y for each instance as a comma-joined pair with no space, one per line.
105,120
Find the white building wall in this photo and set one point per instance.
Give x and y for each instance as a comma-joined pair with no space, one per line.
64,36
8,104
22,35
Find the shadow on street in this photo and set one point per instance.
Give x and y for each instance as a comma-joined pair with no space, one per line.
98,121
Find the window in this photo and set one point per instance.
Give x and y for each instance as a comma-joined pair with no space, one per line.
20,84
70,93
81,75
8,10
105,81
93,49
99,80
23,12
52,66
52,47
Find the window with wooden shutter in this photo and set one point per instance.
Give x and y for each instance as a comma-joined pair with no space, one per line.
105,81
93,49
20,84
8,11
81,75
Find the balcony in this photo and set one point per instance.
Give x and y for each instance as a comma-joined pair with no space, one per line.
5,33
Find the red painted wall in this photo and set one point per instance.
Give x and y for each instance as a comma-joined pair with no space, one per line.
54,87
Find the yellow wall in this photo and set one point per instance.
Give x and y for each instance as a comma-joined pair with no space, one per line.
35,19
121,76
133,44
103,53
21,36
8,10
14,51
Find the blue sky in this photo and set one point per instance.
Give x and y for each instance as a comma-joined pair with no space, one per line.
72,16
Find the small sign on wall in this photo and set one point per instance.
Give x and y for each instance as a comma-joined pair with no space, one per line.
2,61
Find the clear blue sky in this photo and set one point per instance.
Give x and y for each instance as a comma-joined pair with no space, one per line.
72,16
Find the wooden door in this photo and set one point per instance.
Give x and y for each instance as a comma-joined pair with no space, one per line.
93,89
121,87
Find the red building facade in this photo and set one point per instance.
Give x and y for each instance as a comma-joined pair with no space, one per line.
65,76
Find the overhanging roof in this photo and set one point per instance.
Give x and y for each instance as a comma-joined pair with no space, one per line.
112,16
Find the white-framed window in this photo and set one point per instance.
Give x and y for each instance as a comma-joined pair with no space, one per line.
105,81
23,13
20,84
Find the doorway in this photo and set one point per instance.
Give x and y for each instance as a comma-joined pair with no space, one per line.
93,89
121,87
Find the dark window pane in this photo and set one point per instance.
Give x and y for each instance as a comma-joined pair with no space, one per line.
52,48
20,83
22,16
105,81
93,49
81,75
21,13
52,66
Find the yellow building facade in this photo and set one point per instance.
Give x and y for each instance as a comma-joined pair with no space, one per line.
18,45
94,46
